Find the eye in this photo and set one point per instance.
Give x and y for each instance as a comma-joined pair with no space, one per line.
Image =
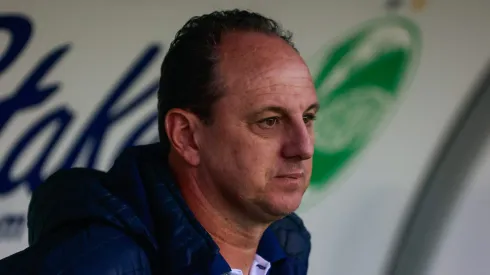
268,122
309,118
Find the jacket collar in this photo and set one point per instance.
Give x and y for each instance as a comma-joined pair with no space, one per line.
184,245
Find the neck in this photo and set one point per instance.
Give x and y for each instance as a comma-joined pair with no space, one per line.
236,237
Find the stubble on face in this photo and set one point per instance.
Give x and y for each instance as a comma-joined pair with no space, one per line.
241,157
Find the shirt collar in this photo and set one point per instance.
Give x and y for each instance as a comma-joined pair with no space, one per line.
269,247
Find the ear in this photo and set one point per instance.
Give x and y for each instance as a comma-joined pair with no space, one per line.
181,127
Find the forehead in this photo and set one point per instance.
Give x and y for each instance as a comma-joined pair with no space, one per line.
260,69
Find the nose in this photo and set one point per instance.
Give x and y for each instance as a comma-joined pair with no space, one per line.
299,142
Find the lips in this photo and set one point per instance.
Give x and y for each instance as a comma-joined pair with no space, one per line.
291,175
290,182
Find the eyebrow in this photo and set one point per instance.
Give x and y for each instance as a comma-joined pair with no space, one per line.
313,107
280,110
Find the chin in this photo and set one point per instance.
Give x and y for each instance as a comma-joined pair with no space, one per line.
280,206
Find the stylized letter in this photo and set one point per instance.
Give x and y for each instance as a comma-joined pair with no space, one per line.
29,93
94,133
60,118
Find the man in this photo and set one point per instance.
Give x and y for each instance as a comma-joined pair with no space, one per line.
217,194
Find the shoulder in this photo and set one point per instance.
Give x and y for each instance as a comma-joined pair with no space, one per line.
65,197
93,249
77,226
293,237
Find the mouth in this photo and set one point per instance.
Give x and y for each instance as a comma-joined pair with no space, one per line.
293,176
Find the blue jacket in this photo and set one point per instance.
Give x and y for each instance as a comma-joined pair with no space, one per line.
133,220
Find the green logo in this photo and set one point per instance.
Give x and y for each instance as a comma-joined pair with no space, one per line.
359,81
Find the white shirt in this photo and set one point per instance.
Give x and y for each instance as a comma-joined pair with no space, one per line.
259,267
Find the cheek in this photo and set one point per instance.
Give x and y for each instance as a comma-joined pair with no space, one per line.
249,158
243,157
255,162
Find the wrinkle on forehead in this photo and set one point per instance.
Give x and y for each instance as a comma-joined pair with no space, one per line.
248,59
276,89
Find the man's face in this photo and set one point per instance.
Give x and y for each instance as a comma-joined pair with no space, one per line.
257,152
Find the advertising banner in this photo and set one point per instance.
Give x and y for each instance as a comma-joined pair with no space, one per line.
78,83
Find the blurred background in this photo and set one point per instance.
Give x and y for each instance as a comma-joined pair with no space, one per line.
402,161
